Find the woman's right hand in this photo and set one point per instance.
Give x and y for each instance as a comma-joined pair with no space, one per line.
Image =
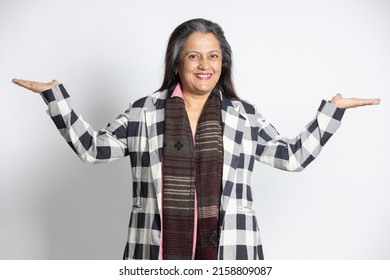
37,87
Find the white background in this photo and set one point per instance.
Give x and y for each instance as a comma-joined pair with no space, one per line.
288,55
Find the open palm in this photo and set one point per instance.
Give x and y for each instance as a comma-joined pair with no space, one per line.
37,87
345,103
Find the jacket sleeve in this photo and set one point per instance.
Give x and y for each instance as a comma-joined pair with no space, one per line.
92,146
295,154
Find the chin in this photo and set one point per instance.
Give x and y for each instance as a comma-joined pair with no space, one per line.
205,89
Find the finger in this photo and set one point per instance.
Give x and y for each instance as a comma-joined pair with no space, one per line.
17,81
54,83
37,87
357,102
372,101
24,83
336,99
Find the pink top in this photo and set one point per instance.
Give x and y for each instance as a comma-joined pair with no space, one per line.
179,93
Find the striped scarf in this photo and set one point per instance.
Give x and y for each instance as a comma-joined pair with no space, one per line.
191,169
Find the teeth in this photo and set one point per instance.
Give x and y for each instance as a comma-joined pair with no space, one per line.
204,76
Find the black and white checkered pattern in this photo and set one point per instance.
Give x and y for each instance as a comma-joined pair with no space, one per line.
246,137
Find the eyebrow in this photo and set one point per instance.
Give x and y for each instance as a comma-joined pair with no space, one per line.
200,52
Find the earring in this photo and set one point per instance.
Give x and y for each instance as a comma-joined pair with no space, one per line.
175,72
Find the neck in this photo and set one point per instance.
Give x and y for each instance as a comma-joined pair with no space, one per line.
195,101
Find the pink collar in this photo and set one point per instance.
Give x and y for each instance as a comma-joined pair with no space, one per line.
177,92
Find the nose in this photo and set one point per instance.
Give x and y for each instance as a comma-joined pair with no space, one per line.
204,64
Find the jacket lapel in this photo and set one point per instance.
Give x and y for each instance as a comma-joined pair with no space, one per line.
232,122
154,116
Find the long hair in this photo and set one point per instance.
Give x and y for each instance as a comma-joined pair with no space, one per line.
175,47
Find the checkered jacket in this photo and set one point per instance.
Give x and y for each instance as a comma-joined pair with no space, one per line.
139,132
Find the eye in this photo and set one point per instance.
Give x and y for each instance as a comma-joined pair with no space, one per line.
193,56
214,56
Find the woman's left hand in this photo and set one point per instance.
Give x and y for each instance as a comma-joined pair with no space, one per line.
345,103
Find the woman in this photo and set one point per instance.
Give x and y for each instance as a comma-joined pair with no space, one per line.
192,146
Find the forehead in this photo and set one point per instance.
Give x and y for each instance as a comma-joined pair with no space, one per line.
201,42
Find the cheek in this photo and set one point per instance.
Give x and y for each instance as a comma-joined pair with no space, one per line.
186,77
183,71
217,67
218,74
186,69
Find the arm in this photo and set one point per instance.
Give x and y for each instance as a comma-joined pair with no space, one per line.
295,154
92,146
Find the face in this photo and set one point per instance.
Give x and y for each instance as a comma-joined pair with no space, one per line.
200,64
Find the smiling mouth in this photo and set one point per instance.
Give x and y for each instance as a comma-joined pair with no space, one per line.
203,76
